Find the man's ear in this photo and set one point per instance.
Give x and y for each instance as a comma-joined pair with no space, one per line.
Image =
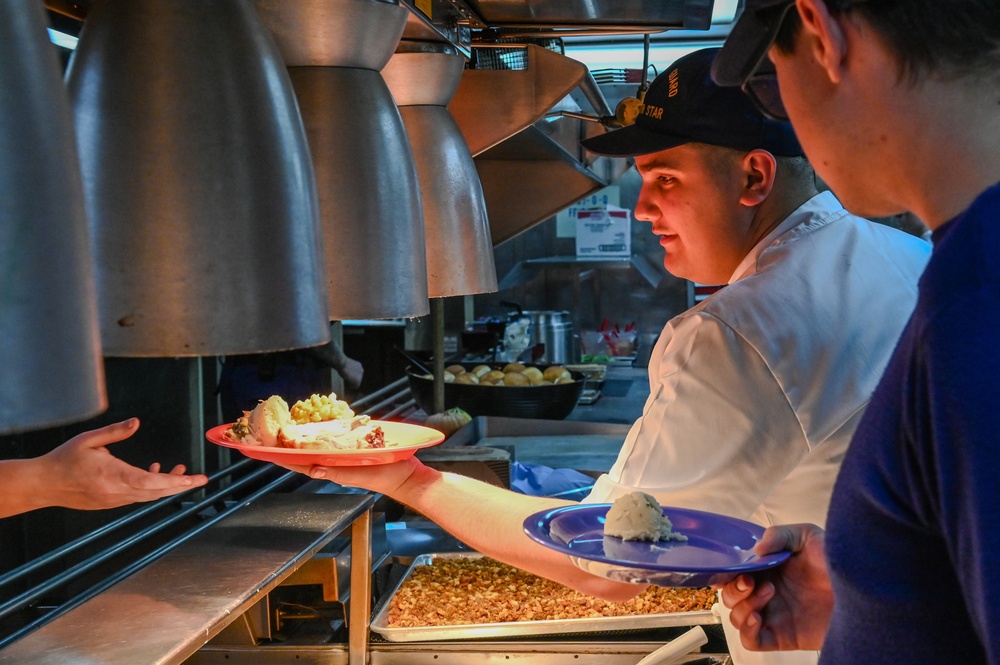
759,168
824,36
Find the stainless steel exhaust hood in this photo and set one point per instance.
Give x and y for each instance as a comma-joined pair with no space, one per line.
531,166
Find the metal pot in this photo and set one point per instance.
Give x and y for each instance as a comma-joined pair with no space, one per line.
554,329
551,328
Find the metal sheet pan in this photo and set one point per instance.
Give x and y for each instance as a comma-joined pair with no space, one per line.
380,623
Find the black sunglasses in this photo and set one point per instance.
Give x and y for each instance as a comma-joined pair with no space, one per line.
762,86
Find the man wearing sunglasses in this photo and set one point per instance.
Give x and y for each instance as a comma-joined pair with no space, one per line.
897,103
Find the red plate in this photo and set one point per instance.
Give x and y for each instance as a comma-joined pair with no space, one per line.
401,441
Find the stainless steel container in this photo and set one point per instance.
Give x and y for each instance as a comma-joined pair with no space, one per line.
555,330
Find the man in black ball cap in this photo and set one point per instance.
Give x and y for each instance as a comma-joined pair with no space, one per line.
755,392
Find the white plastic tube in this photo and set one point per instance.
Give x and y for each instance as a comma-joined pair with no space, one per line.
674,649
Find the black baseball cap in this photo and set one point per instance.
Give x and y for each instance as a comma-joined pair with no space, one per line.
748,42
683,105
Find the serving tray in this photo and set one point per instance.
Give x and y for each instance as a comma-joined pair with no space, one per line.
380,622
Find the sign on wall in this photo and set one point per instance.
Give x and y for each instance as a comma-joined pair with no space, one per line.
566,218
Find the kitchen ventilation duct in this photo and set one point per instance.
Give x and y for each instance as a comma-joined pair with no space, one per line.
365,174
423,78
198,182
49,347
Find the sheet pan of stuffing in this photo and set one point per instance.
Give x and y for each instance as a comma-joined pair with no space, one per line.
465,595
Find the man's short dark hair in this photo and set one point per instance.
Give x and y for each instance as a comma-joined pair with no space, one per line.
949,39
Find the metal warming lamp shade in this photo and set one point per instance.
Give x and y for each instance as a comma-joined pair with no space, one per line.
50,356
365,174
198,182
423,77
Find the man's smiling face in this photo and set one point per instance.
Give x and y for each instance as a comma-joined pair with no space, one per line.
691,196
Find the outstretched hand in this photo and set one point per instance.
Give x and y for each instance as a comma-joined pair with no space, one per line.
82,473
789,607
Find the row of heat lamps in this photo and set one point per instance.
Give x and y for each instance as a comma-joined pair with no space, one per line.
220,177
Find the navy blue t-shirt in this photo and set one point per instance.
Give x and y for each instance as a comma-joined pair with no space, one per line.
913,537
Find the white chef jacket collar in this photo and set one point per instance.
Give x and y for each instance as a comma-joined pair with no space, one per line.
824,201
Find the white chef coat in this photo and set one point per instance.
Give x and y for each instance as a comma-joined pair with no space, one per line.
756,391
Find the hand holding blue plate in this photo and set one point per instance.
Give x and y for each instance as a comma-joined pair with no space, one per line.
718,547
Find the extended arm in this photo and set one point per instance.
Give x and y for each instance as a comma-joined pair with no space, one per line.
82,473
486,517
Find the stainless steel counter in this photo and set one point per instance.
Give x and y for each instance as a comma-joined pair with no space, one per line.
623,396
167,610
611,652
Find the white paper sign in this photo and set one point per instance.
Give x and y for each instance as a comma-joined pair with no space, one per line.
566,218
604,232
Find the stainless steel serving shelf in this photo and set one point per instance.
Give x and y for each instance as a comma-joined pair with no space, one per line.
458,653
164,612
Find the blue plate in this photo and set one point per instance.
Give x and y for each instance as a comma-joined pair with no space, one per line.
718,548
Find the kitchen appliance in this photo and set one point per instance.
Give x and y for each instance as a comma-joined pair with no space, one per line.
550,333
554,330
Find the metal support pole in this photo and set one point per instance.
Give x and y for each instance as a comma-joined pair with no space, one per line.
361,590
437,318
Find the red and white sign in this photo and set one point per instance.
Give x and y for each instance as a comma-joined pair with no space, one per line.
604,233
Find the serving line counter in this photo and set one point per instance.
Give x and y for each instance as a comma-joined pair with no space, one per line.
216,581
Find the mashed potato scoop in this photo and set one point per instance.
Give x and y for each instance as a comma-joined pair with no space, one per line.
638,516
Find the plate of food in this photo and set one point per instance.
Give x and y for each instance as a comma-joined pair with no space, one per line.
635,540
322,431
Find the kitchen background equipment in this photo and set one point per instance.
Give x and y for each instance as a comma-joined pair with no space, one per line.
423,78
554,330
373,235
551,329
553,402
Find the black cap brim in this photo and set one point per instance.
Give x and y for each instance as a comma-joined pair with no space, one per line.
632,141
746,45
